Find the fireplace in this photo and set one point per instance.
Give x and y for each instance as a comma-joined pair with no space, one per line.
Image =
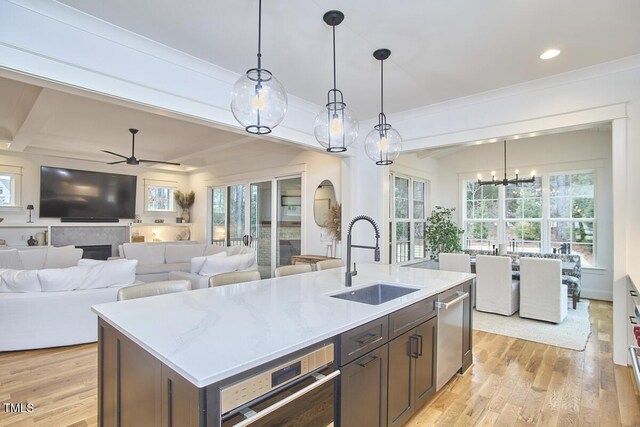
101,252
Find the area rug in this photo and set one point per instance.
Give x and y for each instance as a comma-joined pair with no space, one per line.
572,333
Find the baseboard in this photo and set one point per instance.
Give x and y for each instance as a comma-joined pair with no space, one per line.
596,294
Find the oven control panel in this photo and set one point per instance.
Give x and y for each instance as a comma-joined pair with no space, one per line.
248,389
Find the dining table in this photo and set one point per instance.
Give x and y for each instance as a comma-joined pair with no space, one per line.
568,267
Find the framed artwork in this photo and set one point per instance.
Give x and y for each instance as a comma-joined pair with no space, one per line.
290,200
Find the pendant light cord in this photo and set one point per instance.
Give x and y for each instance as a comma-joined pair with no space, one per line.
259,34
334,59
505,159
382,86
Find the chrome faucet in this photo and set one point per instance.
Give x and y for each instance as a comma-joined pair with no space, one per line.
349,274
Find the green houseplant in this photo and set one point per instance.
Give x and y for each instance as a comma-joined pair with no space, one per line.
441,233
185,201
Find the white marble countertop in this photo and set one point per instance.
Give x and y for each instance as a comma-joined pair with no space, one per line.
208,335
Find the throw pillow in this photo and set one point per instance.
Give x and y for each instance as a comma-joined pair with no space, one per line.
198,262
115,272
228,264
19,281
9,258
32,259
65,256
101,274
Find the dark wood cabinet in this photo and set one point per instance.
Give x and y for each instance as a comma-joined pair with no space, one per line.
467,326
411,380
363,390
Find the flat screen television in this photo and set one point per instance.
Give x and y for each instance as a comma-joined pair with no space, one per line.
70,193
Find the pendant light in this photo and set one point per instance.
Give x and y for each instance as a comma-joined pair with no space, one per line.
259,101
336,126
383,144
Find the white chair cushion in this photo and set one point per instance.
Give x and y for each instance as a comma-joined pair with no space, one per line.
213,250
99,275
33,259
217,265
19,281
182,253
66,256
10,259
198,262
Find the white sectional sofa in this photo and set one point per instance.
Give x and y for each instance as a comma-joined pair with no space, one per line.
46,297
169,261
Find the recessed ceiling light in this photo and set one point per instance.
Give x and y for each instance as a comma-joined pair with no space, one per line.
478,142
493,140
550,53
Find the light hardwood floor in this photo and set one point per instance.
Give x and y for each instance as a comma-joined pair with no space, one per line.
512,383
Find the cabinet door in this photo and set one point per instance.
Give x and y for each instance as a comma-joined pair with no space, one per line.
363,391
467,326
425,364
400,395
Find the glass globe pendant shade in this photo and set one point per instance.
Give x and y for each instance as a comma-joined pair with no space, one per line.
258,101
383,144
336,127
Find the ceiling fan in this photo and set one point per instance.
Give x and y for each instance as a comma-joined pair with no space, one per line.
132,160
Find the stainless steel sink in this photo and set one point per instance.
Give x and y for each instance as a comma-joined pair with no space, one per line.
375,294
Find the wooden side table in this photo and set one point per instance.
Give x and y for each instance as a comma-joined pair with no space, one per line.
309,259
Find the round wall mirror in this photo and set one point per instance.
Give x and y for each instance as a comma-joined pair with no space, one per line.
324,198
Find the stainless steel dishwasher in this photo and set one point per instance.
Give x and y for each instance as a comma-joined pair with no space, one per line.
450,330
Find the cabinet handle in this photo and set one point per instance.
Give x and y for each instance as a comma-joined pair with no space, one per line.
370,359
633,293
633,320
414,339
447,305
419,345
367,338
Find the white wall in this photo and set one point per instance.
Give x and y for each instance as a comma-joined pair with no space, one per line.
31,183
244,167
562,152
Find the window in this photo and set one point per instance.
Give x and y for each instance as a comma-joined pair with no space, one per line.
159,196
10,186
556,212
572,213
482,215
408,217
523,213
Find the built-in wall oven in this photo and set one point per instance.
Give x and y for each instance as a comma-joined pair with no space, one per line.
299,392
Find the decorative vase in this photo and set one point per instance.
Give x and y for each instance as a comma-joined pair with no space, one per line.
31,241
40,238
185,215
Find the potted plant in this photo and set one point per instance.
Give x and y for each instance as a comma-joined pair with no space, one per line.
185,201
441,233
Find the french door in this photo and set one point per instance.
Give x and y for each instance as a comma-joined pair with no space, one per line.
266,215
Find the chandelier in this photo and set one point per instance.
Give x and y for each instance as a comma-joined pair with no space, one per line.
506,181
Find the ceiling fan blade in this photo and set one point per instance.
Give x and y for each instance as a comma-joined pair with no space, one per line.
115,163
159,161
115,154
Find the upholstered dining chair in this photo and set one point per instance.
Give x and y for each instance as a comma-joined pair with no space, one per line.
153,288
288,270
329,264
234,277
542,294
496,291
455,262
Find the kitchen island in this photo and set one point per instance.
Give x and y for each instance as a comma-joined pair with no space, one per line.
176,351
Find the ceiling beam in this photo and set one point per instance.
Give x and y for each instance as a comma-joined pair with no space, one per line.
44,107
